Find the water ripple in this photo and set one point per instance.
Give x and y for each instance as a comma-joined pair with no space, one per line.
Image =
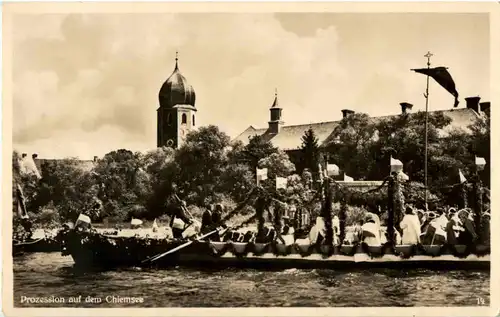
42,275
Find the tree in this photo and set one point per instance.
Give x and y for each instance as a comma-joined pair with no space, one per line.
403,137
256,149
278,165
480,143
125,187
351,143
310,153
200,162
68,187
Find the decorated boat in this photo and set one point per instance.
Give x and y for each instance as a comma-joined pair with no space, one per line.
94,250
91,249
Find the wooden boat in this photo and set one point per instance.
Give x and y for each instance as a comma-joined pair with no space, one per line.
36,245
94,250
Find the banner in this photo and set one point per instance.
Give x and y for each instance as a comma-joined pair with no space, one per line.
261,174
281,182
396,165
332,170
83,218
480,160
136,222
348,178
442,77
462,177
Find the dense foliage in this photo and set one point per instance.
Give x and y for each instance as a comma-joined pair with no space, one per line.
208,168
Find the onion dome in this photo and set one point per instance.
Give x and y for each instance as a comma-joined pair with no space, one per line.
176,90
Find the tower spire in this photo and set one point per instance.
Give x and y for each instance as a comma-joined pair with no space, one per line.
176,60
275,103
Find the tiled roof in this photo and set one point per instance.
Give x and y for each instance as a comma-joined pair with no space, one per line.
290,137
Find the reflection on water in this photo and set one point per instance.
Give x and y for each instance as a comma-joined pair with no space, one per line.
45,275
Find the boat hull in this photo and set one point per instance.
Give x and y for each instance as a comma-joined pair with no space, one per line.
40,245
104,252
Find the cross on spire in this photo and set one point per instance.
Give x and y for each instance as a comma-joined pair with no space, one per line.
428,55
176,59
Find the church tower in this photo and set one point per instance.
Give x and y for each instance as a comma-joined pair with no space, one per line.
177,112
275,123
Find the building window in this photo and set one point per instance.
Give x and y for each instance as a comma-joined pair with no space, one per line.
169,119
184,118
193,121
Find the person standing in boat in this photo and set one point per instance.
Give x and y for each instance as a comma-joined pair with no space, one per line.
217,221
179,220
206,220
411,227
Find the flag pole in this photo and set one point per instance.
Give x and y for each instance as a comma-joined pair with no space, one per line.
428,55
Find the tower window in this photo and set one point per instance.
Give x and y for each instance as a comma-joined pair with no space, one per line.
184,118
169,119
193,121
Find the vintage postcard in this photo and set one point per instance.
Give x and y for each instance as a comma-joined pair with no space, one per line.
257,159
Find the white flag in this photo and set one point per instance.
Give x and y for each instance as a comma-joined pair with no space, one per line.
136,222
281,182
462,177
83,218
348,178
480,160
332,170
396,165
261,174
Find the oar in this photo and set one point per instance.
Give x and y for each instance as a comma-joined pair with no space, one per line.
182,246
185,209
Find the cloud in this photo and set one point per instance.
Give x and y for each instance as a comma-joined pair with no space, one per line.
92,85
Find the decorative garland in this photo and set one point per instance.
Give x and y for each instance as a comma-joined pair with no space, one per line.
259,211
342,220
399,205
463,191
391,204
327,214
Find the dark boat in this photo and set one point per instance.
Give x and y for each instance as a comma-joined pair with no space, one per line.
94,250
36,245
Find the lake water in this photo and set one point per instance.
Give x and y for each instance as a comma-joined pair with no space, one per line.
50,274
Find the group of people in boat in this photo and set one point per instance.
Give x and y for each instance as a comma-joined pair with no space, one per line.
443,226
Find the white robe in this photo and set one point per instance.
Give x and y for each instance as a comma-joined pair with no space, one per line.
411,230
375,230
192,230
320,228
440,225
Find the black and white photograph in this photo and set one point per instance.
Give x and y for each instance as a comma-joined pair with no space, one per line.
269,157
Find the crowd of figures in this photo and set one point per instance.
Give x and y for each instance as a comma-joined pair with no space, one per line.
444,226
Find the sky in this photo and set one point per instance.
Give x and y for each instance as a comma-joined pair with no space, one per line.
85,85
